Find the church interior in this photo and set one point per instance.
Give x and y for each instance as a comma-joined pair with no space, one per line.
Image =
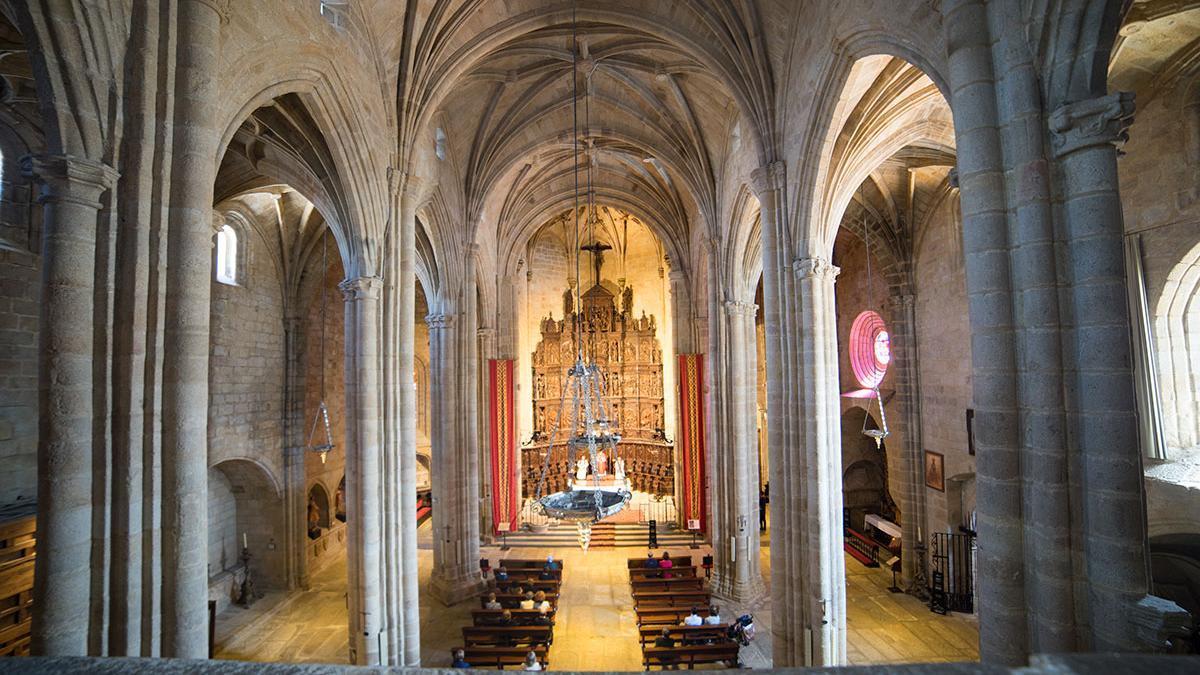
600,335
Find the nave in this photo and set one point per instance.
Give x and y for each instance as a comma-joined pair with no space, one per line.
595,626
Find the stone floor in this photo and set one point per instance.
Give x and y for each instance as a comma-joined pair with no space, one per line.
596,627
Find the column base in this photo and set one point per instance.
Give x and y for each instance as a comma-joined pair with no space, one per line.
451,591
730,590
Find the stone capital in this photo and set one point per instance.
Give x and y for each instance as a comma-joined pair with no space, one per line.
767,178
734,308
69,179
218,221
223,8
438,321
807,268
361,288
486,332
1097,121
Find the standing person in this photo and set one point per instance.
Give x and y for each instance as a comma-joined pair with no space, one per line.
764,498
531,661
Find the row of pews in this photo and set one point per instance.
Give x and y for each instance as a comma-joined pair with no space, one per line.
494,642
662,598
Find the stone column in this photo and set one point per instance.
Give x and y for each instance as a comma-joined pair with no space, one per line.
295,502
913,525
487,350
735,537
70,194
364,505
1001,592
1104,410
820,515
186,334
454,476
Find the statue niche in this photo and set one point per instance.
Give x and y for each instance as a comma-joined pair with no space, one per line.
626,348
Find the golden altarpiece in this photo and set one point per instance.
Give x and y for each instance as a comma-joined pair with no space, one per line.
626,348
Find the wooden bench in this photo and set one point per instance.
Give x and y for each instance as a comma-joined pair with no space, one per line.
513,601
721,652
682,561
521,617
655,573
671,616
532,575
685,634
507,636
524,564
550,586
686,600
671,584
499,657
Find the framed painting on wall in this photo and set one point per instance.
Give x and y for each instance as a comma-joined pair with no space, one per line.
935,470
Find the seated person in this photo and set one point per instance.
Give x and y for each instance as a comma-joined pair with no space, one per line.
651,563
501,574
664,640
506,618
527,603
666,563
458,659
492,602
714,616
543,620
693,619
546,574
540,602
551,564
531,661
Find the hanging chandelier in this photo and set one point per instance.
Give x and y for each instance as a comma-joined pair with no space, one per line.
587,426
321,417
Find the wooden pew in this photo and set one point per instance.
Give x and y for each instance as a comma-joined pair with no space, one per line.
521,617
513,601
685,600
524,564
685,634
507,636
672,584
533,575
499,657
671,616
682,561
721,652
653,573
551,586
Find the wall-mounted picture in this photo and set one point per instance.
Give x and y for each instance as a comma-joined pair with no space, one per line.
971,431
935,470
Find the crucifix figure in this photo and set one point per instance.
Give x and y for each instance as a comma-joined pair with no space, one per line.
597,250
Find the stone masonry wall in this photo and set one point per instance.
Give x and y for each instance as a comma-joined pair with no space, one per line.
19,308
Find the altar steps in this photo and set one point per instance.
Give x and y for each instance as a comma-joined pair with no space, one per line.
604,535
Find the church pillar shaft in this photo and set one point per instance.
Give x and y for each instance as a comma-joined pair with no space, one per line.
363,468
454,474
186,336
71,191
1000,589
294,445
735,545
913,525
1085,134
402,308
487,351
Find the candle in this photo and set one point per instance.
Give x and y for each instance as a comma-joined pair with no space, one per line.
245,544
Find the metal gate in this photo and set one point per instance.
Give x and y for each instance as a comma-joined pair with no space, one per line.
951,587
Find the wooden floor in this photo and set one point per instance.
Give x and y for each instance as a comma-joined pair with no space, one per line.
595,627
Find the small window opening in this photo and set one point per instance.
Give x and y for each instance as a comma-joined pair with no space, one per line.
227,253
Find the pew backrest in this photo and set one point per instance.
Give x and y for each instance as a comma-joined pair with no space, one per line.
681,561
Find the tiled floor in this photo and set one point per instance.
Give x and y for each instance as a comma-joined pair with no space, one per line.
595,628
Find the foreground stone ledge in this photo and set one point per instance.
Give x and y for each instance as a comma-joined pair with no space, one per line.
1128,664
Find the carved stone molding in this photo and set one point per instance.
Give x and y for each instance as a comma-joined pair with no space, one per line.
218,221
768,178
734,308
486,332
439,321
806,268
223,8
69,179
1097,121
361,288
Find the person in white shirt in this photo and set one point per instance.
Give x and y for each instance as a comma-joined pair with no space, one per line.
527,603
714,616
693,619
540,601
531,662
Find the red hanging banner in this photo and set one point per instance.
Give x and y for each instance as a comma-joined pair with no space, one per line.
504,443
691,424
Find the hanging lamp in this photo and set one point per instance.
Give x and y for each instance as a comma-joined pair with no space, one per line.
586,423
880,344
321,418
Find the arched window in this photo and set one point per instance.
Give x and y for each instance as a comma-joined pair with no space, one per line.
227,256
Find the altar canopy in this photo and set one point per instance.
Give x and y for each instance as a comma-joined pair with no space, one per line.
691,424
502,426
